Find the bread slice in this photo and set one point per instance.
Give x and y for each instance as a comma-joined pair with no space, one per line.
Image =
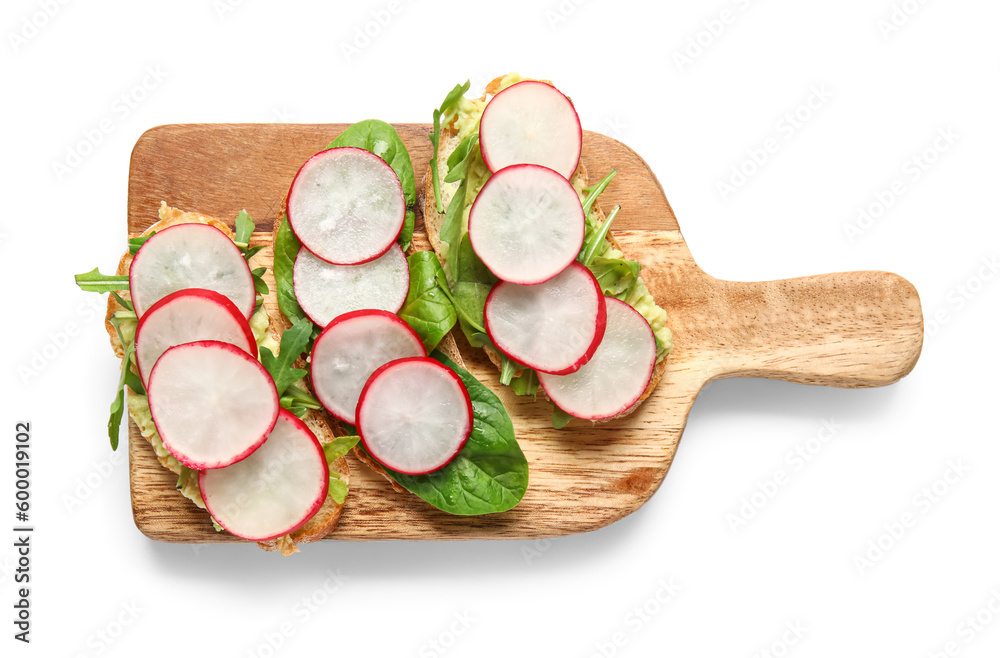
449,140
325,520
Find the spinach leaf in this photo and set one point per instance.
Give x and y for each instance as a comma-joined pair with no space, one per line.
473,282
382,139
459,160
428,308
286,248
490,474
616,276
435,137
451,227
560,418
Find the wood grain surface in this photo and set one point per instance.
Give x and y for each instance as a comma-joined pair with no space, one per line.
853,329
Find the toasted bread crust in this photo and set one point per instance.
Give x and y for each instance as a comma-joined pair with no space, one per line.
433,221
325,520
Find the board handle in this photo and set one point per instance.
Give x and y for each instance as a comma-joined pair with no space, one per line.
850,329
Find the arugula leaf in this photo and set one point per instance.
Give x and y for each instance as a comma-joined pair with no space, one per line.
428,308
126,304
286,248
452,98
489,474
595,239
135,243
94,281
526,384
616,276
594,191
339,447
244,231
382,139
294,341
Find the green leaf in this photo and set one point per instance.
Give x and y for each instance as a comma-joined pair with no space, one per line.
126,304
459,160
135,243
115,421
286,248
428,308
339,447
294,341
560,418
451,227
595,191
452,98
616,276
595,240
382,139
490,474
244,230
338,489
473,282
258,280
526,384
94,281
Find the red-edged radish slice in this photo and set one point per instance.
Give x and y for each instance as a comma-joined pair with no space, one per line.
190,256
275,490
414,415
212,403
531,122
184,317
618,373
346,205
553,327
350,349
526,224
325,291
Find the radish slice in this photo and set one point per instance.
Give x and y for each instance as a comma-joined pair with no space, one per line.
325,291
553,327
346,205
526,224
414,415
184,317
531,122
617,375
275,490
212,403
190,256
350,349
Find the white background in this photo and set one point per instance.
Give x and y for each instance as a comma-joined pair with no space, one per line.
794,565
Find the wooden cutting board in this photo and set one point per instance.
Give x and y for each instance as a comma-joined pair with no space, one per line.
853,329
